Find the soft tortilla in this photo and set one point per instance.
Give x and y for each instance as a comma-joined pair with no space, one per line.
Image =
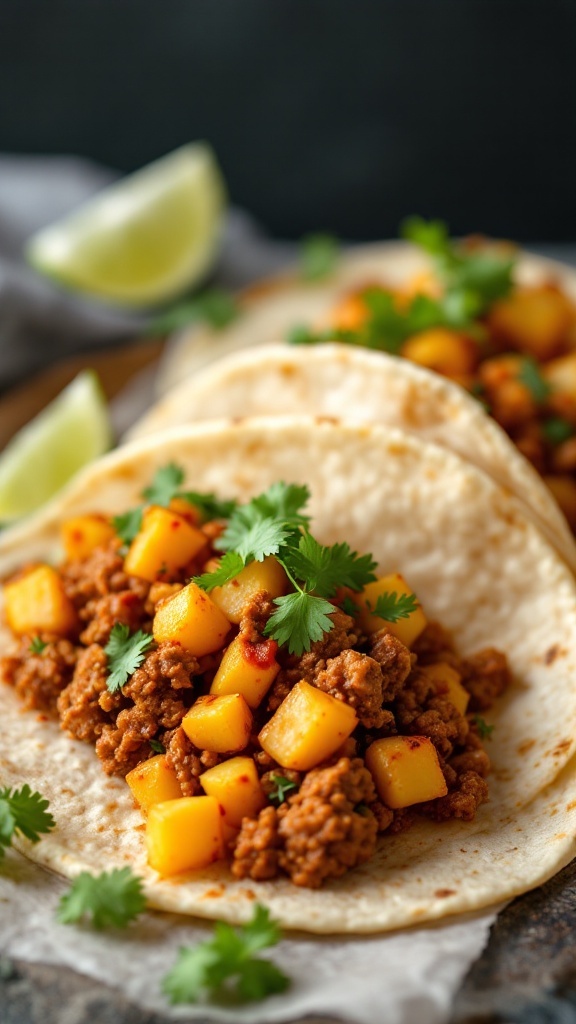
341,380
477,563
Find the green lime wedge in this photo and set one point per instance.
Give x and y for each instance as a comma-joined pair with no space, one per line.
145,239
41,458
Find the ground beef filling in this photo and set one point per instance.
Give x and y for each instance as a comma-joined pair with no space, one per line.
39,679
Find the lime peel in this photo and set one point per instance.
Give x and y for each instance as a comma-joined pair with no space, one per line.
70,432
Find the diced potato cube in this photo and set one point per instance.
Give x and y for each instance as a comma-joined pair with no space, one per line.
246,668
233,597
307,728
184,835
165,543
153,782
37,603
532,320
222,724
447,682
406,629
561,374
236,786
81,534
447,352
405,770
188,512
192,619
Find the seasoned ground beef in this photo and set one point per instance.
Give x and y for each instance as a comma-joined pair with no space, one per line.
269,785
473,758
126,607
159,592
256,615
485,675
344,635
187,761
419,711
100,574
40,678
79,704
469,792
355,679
394,659
257,848
435,644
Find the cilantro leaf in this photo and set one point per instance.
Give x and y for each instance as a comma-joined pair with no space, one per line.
209,506
557,430
125,654
157,747
327,568
252,536
226,963
430,235
128,524
349,607
284,502
37,645
299,620
394,606
282,786
24,811
299,334
318,256
165,484
214,307
484,730
230,565
113,898
530,376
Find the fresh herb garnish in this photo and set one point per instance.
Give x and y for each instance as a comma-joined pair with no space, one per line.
318,256
165,484
128,524
273,524
282,786
349,607
557,430
215,307
111,899
125,654
484,730
208,505
227,964
394,606
37,645
24,811
530,376
157,747
299,334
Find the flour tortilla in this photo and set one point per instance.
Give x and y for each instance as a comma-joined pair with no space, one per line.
478,564
341,380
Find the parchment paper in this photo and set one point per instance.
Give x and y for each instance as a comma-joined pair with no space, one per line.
409,977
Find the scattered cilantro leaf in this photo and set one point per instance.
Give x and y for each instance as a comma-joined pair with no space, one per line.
394,606
299,334
484,730
327,568
430,235
37,645
214,307
231,564
318,256
227,963
299,620
125,654
349,607
530,376
157,747
24,811
557,430
208,505
111,899
128,524
165,484
282,786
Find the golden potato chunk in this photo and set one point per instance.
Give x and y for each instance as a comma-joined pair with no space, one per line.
233,597
246,668
405,770
184,835
165,543
236,786
37,603
153,782
408,628
222,724
192,619
307,728
447,682
442,350
532,320
81,534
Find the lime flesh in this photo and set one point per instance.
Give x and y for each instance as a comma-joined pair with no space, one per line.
143,240
45,454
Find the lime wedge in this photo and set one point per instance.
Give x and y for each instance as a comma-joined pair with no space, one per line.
41,458
143,240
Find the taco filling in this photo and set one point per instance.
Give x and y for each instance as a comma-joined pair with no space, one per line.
268,699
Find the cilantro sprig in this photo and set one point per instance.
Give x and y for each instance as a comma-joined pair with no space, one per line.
556,430
37,645
531,377
214,307
227,964
484,730
23,811
318,256
394,606
110,899
282,785
125,654
273,523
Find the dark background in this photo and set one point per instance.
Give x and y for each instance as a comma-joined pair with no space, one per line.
343,115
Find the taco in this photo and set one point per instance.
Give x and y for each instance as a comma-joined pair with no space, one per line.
443,542
500,324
